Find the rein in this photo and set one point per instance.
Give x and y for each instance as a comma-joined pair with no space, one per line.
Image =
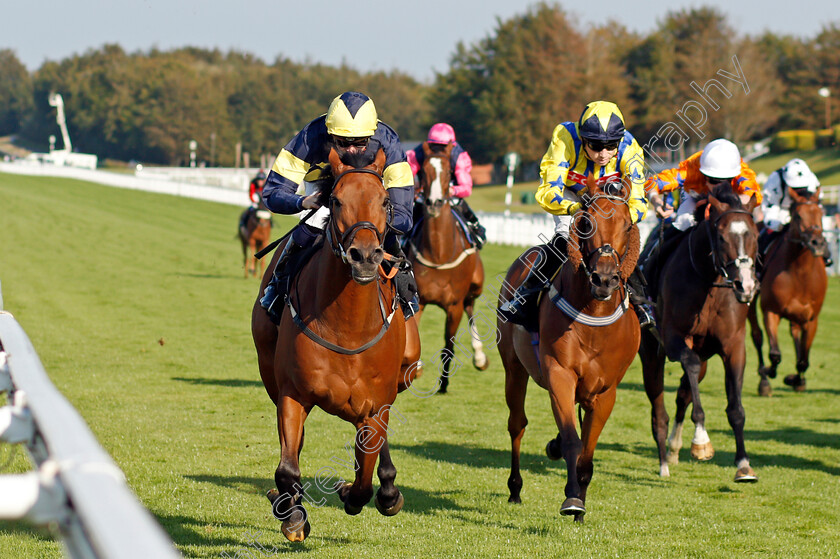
337,247
604,250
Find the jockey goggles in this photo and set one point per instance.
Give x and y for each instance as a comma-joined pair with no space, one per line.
598,145
714,181
345,143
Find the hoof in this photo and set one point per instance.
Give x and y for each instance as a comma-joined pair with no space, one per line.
767,372
551,451
764,388
702,452
797,382
664,471
392,510
296,527
745,475
515,499
343,491
574,506
579,518
672,457
481,366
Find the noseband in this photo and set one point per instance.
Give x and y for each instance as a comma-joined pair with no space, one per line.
347,238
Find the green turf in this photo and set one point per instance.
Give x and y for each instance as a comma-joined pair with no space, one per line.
137,308
824,162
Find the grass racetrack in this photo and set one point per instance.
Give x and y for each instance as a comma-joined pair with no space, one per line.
137,307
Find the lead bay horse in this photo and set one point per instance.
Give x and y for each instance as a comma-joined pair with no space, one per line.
793,287
448,270
342,345
705,286
255,235
588,338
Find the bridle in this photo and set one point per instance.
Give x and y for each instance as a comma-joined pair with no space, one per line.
803,237
718,264
605,250
336,239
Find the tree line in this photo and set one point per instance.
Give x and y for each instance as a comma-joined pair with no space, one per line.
691,79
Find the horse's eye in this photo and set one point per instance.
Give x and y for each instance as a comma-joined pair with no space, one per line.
385,202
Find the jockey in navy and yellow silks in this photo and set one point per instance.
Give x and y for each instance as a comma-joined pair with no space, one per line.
305,157
352,128
566,164
598,146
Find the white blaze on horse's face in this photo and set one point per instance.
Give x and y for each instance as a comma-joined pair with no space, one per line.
739,230
436,188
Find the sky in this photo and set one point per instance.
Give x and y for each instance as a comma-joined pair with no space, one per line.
417,38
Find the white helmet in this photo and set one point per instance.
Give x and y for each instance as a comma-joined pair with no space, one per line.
721,160
797,175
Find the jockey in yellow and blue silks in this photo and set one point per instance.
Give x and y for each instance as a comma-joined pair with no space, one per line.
599,146
352,128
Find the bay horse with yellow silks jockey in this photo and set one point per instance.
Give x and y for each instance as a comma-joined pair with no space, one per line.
447,267
255,234
342,344
704,288
586,338
793,286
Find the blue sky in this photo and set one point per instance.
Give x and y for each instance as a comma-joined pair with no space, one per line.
415,37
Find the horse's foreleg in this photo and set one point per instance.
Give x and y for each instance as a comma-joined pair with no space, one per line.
480,360
734,362
286,500
593,423
411,368
562,391
371,436
389,500
771,327
652,357
516,385
453,320
689,391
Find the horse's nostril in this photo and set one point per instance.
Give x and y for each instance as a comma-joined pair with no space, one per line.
355,255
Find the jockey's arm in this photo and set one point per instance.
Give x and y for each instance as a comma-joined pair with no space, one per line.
399,183
463,176
554,168
280,190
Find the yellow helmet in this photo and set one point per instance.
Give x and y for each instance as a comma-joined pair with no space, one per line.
351,115
601,121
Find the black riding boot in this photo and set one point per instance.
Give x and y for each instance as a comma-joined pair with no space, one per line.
404,280
522,307
477,230
277,289
641,304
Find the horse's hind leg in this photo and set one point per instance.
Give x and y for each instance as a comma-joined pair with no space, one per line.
771,327
734,362
389,500
371,436
803,337
480,360
286,500
764,388
516,385
652,357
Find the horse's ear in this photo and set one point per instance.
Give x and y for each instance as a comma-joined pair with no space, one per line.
592,185
379,161
448,151
716,205
335,162
753,203
794,195
426,149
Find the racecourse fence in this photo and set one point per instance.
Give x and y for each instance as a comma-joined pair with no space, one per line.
76,489
518,229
